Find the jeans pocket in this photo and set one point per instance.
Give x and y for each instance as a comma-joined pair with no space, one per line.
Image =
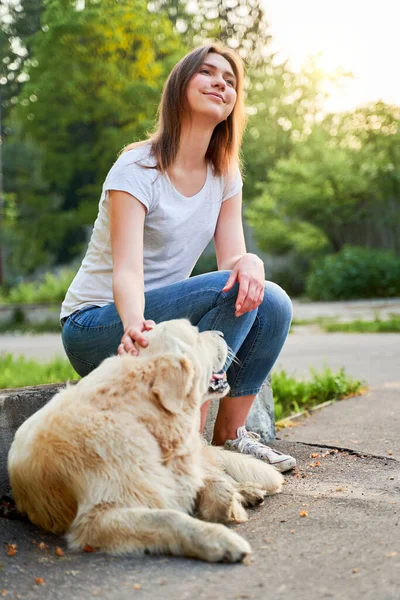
82,367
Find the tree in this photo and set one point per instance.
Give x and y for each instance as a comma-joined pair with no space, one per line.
19,21
339,185
95,87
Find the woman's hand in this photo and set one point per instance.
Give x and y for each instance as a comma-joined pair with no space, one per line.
133,333
249,272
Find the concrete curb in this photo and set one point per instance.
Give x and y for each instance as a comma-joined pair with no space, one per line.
16,405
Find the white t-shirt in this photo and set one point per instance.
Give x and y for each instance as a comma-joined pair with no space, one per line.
176,228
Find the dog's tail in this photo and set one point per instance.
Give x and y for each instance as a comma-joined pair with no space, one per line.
244,468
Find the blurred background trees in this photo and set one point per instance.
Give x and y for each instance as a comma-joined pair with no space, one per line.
80,79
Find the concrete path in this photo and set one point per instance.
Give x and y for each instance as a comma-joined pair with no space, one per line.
345,547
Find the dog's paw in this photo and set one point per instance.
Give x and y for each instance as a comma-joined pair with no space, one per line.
252,494
236,513
220,544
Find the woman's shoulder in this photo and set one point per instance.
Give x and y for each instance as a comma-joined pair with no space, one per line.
137,154
134,162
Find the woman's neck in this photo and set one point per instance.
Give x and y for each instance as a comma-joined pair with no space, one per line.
193,145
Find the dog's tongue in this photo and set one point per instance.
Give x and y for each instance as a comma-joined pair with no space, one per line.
217,376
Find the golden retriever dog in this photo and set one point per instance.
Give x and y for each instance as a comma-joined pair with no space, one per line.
117,462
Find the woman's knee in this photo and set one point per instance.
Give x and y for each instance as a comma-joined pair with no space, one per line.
276,300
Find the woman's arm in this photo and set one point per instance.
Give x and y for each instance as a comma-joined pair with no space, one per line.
229,239
230,246
126,230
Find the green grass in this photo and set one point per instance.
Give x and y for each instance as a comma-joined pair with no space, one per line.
19,372
391,325
291,395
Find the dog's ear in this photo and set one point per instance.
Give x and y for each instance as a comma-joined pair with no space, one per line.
173,381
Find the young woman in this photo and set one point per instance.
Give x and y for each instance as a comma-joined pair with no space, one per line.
162,202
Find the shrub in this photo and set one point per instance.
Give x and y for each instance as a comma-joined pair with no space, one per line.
50,289
205,264
355,272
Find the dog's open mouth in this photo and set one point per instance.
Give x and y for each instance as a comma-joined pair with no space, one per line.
218,384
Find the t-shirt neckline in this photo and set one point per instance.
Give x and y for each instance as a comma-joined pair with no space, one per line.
200,192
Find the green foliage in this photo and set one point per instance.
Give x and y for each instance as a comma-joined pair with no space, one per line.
292,395
391,325
339,184
49,289
19,20
355,272
205,264
19,372
21,326
281,106
92,86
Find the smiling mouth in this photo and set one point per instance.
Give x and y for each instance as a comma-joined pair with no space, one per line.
216,96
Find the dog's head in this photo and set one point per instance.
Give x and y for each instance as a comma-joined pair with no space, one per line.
186,361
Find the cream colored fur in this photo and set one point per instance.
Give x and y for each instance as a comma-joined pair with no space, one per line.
116,461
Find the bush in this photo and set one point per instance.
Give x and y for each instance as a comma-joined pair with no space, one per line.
205,264
353,273
50,289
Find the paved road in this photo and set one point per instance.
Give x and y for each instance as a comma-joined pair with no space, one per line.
374,358
43,347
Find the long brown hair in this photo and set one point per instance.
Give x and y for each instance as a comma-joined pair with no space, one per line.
224,147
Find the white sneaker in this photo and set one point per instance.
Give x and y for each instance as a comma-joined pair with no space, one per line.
248,442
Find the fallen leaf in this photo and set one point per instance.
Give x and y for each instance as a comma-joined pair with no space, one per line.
3,592
339,489
315,455
355,571
390,453
11,549
292,530
89,548
317,463
42,546
59,551
391,554
39,581
136,586
303,513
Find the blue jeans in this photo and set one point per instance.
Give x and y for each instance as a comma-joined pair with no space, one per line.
256,338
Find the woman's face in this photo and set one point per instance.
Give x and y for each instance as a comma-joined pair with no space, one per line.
212,91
